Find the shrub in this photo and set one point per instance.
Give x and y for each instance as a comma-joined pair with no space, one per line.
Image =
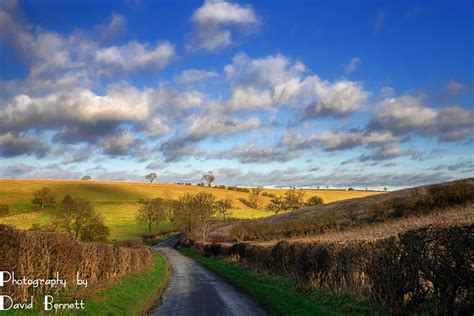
4,209
294,199
418,271
314,200
40,255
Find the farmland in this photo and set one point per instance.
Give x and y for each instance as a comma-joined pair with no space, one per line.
117,201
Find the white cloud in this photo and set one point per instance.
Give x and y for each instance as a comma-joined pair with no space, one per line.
135,55
213,21
332,141
115,26
275,81
196,75
407,113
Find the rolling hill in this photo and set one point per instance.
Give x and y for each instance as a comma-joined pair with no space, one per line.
117,201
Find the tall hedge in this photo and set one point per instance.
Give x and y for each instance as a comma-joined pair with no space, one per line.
40,255
426,269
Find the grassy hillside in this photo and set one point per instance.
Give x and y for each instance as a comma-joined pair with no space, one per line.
389,213
117,201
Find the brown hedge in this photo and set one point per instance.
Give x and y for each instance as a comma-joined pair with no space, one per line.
40,255
427,269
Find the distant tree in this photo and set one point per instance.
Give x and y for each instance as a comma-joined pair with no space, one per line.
152,212
86,178
327,187
314,200
255,198
151,177
79,219
385,189
350,189
294,199
44,197
277,204
223,207
209,178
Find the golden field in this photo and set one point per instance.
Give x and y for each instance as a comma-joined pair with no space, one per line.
117,201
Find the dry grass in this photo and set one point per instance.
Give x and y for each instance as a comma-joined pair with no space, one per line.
452,216
117,201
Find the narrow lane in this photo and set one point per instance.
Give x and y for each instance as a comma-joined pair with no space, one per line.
194,290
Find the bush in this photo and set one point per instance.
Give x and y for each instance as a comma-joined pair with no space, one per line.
4,209
40,255
420,270
314,200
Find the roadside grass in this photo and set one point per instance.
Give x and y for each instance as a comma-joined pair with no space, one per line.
131,294
117,201
282,295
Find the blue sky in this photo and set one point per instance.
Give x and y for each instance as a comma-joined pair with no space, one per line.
284,93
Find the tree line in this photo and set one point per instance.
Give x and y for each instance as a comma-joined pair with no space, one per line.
192,213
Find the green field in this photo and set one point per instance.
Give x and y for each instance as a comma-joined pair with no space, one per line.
117,201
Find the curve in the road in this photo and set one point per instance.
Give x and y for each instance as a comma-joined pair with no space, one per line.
194,290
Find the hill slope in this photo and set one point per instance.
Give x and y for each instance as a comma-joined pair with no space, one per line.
117,201
424,204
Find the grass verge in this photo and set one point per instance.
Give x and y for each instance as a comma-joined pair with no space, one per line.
281,295
132,294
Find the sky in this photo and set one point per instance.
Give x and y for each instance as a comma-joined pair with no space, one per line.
363,94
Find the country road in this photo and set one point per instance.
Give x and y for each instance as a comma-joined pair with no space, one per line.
194,290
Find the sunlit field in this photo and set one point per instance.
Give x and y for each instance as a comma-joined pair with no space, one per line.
117,201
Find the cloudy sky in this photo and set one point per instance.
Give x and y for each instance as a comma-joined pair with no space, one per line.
287,93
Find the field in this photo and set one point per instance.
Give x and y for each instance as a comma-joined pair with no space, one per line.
117,201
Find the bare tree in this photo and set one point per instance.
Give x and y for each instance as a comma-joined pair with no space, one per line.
294,199
209,178
152,213
255,198
151,176
44,197
223,207
79,219
277,204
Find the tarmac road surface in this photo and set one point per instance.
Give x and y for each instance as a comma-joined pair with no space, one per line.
194,290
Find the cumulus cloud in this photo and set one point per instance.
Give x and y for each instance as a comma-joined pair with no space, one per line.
275,80
214,21
294,177
114,27
258,154
405,114
195,75
121,144
16,170
12,145
135,55
77,155
332,141
154,165
213,122
389,151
